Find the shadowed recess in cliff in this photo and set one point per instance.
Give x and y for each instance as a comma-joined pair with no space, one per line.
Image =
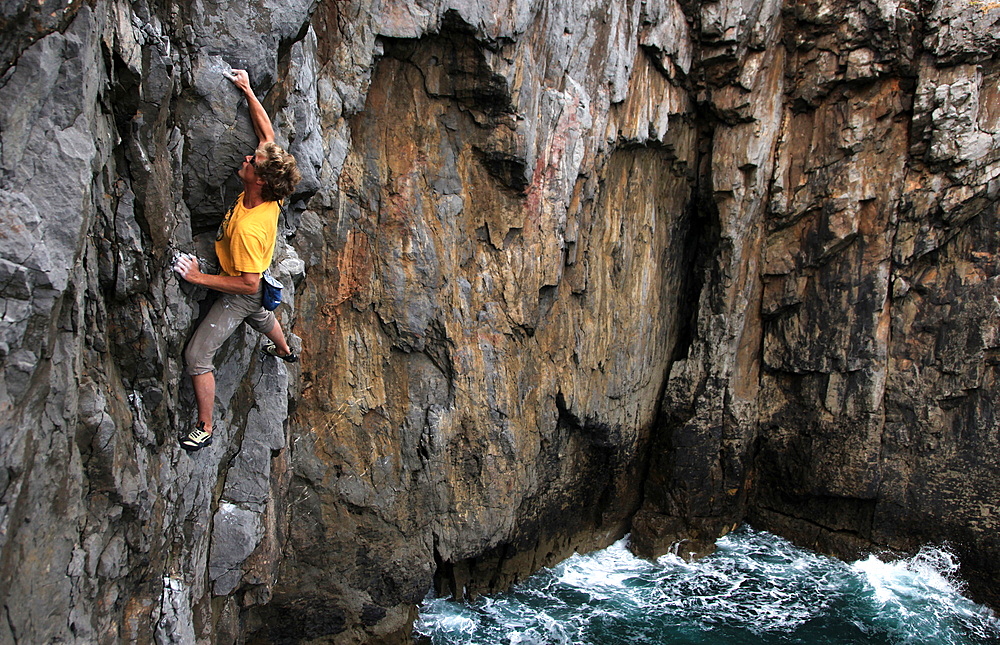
675,495
454,66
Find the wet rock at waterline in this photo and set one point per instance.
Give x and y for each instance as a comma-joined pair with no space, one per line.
560,271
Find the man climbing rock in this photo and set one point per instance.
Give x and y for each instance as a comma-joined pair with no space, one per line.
245,246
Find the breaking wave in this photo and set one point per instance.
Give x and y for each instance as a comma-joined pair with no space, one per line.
756,589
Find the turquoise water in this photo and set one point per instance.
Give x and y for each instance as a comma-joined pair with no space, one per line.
756,589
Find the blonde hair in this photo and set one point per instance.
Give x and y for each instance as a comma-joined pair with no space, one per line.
278,170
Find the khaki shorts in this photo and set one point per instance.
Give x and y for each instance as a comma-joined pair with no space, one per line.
222,320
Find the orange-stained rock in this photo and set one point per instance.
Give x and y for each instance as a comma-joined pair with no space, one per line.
560,271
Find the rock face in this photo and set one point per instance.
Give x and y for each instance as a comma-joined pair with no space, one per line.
561,271
879,274
108,532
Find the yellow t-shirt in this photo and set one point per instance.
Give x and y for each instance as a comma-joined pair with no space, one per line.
245,241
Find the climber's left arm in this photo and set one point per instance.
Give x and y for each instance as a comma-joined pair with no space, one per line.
258,115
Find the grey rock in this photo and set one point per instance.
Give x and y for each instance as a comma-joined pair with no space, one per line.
236,533
557,272
175,625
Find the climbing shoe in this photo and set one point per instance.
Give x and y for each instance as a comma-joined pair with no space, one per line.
272,350
197,438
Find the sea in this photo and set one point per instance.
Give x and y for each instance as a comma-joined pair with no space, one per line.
756,589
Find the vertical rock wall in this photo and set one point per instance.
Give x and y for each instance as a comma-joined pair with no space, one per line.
496,287
117,130
561,270
877,398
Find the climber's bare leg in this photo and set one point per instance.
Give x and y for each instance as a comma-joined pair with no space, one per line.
204,395
277,337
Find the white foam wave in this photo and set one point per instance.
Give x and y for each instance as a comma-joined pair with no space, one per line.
921,599
932,571
756,590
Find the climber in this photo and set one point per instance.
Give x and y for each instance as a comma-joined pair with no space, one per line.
244,245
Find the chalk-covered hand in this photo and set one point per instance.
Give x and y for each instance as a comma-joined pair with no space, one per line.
241,79
187,266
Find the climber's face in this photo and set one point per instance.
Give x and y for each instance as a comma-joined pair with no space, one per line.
248,169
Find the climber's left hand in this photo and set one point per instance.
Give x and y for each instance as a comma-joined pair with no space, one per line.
187,267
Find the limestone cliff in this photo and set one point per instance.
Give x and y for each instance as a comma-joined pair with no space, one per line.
561,270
